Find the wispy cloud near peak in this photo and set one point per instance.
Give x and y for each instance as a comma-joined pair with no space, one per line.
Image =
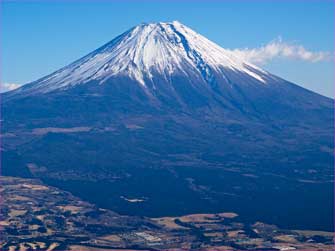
4,87
280,49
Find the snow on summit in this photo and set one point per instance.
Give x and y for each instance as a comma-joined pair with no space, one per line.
149,49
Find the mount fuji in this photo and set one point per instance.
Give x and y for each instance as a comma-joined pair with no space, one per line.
163,114
149,50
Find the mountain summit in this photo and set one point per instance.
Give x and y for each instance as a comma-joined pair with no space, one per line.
149,50
163,114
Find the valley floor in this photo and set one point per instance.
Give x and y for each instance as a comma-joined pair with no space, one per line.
35,216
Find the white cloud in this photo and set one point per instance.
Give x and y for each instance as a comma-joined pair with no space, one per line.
4,87
280,49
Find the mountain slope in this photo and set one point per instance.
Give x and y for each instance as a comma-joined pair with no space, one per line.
163,114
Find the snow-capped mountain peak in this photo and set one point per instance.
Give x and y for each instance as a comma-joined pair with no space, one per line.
163,48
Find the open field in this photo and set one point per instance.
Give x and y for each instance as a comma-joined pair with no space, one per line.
40,217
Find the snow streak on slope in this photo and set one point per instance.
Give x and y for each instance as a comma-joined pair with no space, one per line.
147,49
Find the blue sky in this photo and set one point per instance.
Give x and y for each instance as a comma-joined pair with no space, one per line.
292,39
